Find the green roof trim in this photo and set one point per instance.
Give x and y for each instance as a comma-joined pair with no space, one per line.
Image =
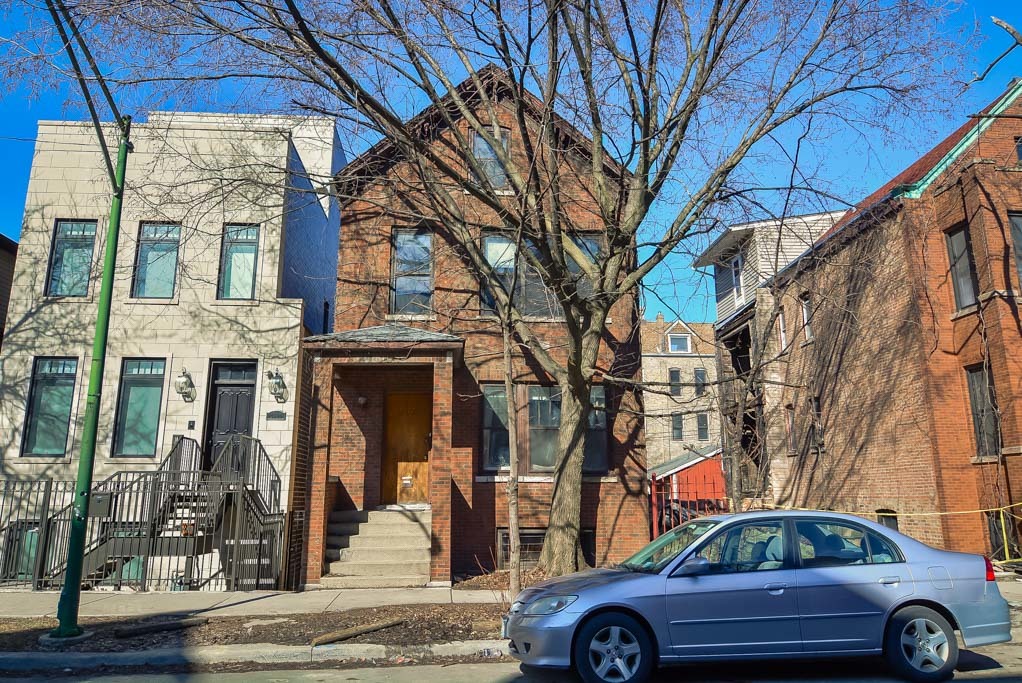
916,189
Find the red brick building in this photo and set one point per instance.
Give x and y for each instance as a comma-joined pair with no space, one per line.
902,350
406,455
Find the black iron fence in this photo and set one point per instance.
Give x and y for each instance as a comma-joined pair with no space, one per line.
165,529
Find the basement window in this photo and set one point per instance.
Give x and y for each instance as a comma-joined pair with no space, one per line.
531,541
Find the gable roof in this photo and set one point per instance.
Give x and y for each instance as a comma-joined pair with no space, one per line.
921,173
432,120
684,461
653,334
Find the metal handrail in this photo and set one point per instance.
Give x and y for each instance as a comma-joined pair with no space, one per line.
245,458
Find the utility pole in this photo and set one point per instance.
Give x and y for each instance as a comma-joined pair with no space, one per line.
71,593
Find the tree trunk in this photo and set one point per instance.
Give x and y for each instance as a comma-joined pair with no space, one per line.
562,551
514,537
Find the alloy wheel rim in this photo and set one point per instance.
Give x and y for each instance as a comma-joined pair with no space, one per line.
614,654
925,645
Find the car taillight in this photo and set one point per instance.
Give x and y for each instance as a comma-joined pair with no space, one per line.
990,569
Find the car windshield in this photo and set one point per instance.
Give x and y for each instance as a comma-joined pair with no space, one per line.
660,552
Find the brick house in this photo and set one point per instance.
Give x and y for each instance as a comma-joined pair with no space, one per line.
407,452
8,256
903,371
679,361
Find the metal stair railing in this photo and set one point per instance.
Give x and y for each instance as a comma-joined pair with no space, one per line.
245,458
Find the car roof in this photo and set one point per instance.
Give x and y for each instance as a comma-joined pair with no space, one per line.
760,514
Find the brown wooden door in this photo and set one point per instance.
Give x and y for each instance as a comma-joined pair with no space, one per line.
406,448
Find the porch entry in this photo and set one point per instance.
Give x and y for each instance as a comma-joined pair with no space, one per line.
407,443
230,405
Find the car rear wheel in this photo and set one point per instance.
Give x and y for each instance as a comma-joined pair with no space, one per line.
613,648
921,646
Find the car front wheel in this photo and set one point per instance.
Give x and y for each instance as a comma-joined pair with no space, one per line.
921,646
613,648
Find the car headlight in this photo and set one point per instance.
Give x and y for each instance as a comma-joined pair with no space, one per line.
550,605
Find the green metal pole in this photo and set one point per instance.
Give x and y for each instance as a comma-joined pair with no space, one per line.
70,595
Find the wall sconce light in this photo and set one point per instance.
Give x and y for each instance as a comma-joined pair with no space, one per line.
184,386
363,401
278,389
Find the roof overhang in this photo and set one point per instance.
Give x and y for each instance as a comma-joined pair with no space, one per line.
727,242
683,462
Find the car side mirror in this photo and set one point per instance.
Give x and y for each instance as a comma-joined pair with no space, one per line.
693,566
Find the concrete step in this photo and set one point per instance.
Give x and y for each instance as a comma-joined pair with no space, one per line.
416,539
380,569
410,517
404,532
409,581
383,554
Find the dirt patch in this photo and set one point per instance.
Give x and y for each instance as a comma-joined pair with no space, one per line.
498,580
422,624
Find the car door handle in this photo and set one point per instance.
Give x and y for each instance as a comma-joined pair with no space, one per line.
890,580
775,588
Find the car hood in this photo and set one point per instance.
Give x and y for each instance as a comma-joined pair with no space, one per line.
572,584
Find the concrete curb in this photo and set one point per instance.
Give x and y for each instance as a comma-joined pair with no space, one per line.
257,653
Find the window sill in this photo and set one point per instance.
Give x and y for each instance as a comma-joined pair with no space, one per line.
144,301
539,479
498,193
234,302
984,460
410,317
133,459
44,459
806,343
1011,450
965,312
54,299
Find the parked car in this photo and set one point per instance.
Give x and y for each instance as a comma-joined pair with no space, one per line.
763,585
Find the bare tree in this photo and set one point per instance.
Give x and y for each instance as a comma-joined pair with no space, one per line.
655,114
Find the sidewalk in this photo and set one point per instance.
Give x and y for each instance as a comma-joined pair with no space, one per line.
254,603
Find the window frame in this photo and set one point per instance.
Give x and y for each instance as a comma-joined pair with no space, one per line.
702,416
1018,150
701,383
675,387
806,304
887,514
48,284
1015,223
955,263
991,405
483,429
138,256
782,332
28,408
224,240
677,426
787,529
688,343
737,282
505,138
394,275
791,433
114,455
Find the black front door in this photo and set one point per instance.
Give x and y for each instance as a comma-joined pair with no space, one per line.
231,405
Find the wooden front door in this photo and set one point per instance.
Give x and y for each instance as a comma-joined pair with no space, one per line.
406,448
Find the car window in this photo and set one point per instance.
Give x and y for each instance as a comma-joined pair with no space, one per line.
881,550
835,544
751,547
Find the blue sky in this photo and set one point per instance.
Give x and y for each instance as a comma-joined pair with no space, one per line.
678,289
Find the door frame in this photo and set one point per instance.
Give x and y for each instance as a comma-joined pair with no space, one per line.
384,495
209,408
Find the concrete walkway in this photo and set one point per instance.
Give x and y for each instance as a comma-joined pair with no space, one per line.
255,603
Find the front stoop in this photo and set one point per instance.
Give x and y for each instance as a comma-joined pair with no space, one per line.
378,549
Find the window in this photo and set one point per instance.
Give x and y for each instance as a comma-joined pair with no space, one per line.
679,343
700,378
496,449
545,421
984,411
807,315
592,245
49,407
531,294
674,377
531,545
1016,240
782,332
889,518
758,546
486,157
789,426
1018,150
736,278
156,262
677,427
815,423
835,544
137,422
412,273
963,271
238,262
703,426
71,258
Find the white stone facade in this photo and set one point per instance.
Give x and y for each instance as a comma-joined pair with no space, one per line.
201,172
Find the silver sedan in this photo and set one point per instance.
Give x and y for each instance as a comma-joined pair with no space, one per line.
764,585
